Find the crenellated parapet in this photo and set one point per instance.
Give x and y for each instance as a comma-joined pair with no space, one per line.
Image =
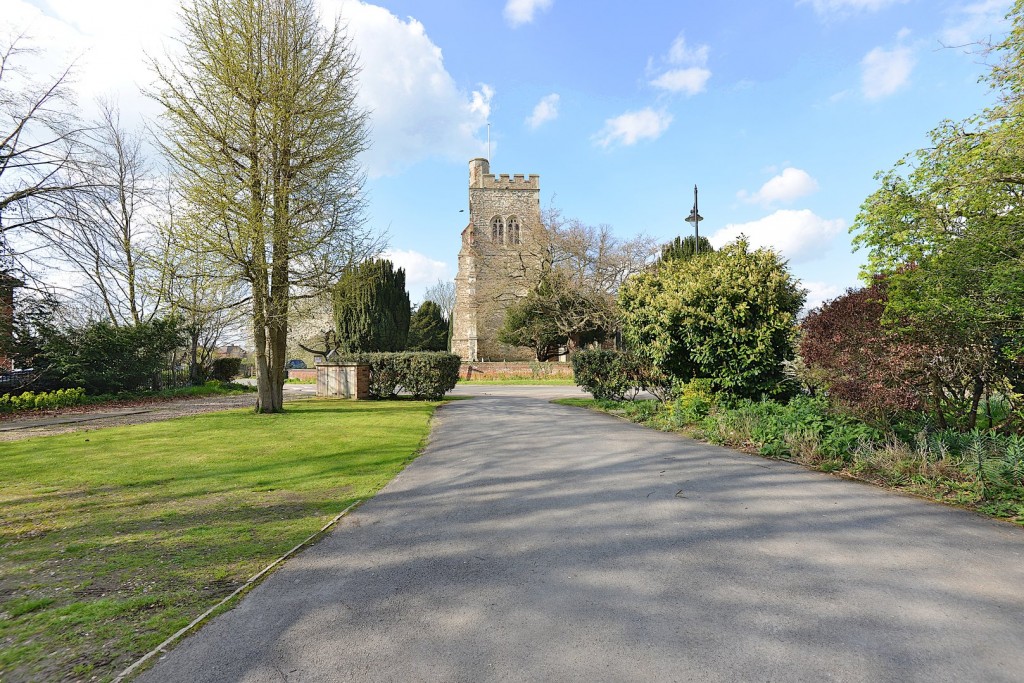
505,181
480,177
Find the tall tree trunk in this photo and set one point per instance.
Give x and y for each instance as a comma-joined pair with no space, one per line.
264,397
193,362
279,267
937,401
976,394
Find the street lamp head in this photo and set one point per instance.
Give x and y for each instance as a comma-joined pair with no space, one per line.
694,218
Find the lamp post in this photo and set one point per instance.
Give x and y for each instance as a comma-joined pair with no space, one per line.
694,219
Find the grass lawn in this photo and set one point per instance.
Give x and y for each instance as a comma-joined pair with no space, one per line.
577,402
111,540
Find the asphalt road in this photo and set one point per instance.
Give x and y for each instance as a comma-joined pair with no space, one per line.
534,542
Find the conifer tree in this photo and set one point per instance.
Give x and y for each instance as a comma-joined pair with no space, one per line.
428,329
683,248
371,308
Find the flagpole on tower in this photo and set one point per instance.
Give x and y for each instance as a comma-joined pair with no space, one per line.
488,143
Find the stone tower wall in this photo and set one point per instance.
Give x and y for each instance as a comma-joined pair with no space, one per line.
483,288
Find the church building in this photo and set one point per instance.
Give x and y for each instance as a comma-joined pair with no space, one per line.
498,251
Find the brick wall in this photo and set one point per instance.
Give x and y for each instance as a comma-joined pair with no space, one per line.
515,370
308,374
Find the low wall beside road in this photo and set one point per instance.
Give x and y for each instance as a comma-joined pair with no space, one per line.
514,370
308,374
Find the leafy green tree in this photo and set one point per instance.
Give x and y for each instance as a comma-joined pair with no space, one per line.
262,126
530,322
442,293
946,229
559,312
371,308
428,328
684,248
728,317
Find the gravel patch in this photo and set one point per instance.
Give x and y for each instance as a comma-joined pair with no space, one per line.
99,417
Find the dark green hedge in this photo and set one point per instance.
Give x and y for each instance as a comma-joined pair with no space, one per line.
425,374
226,369
610,375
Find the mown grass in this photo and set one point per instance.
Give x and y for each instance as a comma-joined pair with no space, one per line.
113,539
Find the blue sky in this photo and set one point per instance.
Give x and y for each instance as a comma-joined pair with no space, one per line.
781,110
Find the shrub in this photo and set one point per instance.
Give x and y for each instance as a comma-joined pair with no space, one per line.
804,426
106,358
226,369
692,403
426,374
609,375
51,400
868,371
432,375
727,316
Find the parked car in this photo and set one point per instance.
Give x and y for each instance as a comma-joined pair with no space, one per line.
296,364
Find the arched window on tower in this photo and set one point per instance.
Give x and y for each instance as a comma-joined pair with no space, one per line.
515,232
498,229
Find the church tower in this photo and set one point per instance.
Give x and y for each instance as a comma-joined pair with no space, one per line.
504,221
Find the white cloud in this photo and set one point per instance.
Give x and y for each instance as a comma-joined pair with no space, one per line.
687,72
421,271
633,126
681,53
416,109
691,80
833,7
798,235
546,110
884,72
976,21
820,292
106,45
787,186
519,12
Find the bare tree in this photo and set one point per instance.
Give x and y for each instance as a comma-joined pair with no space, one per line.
105,229
198,290
558,287
39,145
442,293
262,125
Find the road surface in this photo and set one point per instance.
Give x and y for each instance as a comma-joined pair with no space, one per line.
534,542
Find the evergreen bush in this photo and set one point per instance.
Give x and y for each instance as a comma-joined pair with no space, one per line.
371,308
106,358
727,316
424,374
43,400
609,375
226,369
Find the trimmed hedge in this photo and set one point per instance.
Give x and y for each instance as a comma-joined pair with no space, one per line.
609,375
44,400
425,374
226,369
